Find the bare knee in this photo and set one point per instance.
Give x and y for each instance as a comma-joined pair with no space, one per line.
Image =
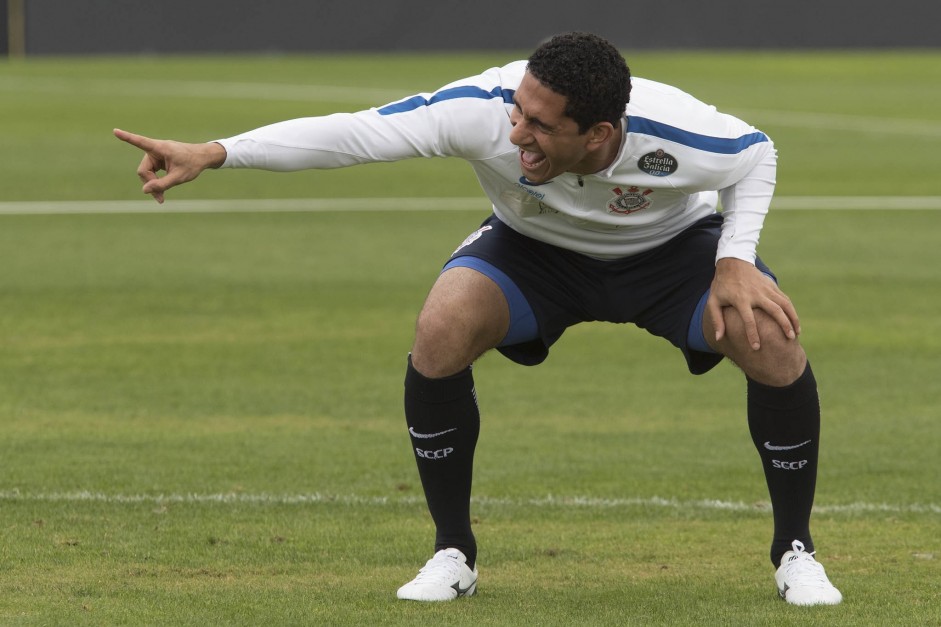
443,346
779,361
464,316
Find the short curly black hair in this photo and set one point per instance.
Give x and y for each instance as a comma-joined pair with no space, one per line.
589,71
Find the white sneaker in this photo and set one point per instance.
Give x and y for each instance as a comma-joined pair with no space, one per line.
445,577
802,581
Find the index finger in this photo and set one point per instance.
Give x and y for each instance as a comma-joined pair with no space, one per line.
144,143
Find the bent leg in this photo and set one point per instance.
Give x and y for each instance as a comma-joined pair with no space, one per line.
465,315
779,361
784,421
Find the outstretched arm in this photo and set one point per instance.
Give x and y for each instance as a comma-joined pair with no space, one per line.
181,162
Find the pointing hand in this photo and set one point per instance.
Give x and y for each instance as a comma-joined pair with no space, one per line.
181,162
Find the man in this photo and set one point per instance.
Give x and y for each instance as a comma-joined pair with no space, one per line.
605,194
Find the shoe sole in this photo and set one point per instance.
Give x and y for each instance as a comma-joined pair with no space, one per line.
467,593
783,595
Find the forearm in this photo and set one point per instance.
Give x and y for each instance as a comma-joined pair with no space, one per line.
745,205
333,141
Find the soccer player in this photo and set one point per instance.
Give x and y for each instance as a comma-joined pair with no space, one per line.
605,193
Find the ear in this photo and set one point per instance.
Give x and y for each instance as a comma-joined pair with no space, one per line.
600,134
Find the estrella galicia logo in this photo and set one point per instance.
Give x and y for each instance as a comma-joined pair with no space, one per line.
659,163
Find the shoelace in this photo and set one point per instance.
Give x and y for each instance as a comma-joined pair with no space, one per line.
804,568
439,569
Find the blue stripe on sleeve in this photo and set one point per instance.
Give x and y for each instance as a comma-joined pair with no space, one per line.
466,91
721,145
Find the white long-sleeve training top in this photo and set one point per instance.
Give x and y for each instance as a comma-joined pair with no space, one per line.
679,157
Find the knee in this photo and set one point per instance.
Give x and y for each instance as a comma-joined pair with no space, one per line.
435,341
446,344
464,316
436,328
779,361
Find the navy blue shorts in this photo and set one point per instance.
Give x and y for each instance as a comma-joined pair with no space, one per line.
550,289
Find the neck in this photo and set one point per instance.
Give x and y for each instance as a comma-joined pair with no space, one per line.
602,158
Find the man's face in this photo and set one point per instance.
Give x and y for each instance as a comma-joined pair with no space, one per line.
549,141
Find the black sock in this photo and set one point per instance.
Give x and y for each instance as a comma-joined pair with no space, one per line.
444,423
785,427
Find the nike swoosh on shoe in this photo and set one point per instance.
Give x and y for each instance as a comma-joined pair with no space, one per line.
462,591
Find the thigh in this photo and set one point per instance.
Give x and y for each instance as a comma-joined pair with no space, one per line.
552,282
465,315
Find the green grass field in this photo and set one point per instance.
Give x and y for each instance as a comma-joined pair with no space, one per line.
200,413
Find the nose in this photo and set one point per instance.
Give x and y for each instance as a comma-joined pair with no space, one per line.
518,134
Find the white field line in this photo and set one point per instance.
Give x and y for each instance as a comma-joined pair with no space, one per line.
320,205
564,502
369,96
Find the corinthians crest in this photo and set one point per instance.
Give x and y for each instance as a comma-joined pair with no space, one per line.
629,201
